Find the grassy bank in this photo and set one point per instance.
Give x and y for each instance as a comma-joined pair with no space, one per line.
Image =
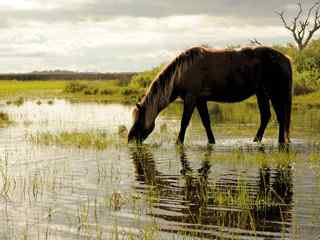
99,91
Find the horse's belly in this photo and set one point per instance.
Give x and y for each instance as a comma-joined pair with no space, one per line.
227,95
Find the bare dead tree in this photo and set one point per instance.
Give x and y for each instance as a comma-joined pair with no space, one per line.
303,28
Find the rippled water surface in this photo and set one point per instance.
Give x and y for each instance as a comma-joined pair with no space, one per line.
233,190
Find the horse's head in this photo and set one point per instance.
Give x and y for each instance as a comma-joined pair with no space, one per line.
142,126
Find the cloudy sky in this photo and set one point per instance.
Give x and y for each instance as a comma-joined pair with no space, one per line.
128,35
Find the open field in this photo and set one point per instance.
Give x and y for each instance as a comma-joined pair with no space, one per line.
106,91
100,91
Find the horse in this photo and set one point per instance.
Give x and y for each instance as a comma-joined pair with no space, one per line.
200,74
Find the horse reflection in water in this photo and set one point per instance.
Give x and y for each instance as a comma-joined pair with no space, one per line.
189,203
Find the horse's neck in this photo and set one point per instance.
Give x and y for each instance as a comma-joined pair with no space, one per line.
159,96
150,113
154,107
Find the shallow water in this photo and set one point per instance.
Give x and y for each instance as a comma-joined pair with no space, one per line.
158,190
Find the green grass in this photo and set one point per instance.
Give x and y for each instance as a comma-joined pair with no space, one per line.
75,139
246,158
4,119
97,91
311,100
90,139
16,88
88,215
100,91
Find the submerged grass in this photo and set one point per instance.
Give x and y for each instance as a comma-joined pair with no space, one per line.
97,140
4,119
236,206
247,157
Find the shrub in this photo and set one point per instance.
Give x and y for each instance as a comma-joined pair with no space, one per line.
75,87
106,92
308,79
145,78
4,117
130,91
91,91
306,65
302,89
19,101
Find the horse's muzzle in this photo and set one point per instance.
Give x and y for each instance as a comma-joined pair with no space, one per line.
133,138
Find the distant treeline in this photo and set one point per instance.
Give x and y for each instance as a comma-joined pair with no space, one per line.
67,76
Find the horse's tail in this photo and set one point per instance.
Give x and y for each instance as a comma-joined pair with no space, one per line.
289,94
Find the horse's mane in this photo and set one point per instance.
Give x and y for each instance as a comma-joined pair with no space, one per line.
161,88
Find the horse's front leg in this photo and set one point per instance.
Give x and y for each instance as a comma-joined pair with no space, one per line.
188,107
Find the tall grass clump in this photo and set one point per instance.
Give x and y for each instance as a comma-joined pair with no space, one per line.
18,102
75,87
4,119
143,80
97,140
130,91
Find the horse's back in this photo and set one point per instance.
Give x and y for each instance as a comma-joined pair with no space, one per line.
230,75
234,75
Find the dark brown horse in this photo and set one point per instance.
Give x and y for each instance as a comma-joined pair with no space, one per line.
200,74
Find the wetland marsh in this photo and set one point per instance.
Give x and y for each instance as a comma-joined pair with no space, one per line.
66,172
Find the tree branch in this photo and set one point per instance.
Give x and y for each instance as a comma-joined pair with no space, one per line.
281,14
316,24
300,28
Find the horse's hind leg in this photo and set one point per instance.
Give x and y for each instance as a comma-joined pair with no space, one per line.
265,115
205,118
189,105
280,109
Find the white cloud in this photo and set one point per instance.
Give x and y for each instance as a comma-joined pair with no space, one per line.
127,35
25,5
121,43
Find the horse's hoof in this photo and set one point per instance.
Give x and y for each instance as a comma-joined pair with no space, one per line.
186,171
257,140
286,142
179,142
